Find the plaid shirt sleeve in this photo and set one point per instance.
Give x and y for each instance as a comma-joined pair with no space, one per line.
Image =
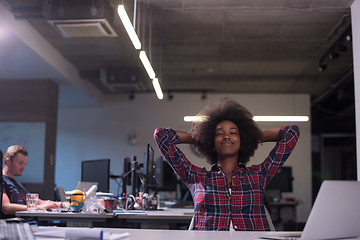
166,139
288,136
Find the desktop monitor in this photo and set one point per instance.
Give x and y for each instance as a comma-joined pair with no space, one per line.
97,171
127,173
169,178
149,167
282,181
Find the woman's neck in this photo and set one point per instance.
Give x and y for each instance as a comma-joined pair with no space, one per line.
228,164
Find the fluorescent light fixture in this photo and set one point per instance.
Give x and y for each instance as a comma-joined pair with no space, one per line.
194,118
145,61
157,88
128,27
257,118
281,118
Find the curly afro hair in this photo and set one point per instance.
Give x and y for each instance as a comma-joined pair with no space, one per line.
226,109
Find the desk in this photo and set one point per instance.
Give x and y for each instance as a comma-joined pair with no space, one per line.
283,218
162,219
71,219
151,234
173,218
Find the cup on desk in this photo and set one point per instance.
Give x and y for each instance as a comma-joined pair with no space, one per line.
31,201
110,204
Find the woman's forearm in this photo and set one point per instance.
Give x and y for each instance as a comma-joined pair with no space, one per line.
270,135
185,137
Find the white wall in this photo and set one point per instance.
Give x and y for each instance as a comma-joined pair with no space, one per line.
92,133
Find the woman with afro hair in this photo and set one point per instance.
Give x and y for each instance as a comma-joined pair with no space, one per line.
230,196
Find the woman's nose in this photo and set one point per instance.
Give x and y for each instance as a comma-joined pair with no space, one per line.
226,136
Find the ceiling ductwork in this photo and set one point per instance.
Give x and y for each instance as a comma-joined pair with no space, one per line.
80,18
84,28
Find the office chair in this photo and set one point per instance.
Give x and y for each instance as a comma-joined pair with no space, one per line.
268,217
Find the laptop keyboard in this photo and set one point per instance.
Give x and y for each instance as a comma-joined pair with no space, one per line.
18,231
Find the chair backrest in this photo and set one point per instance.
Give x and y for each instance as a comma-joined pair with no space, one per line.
191,223
61,194
268,217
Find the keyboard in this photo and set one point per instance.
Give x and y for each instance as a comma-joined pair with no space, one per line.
15,231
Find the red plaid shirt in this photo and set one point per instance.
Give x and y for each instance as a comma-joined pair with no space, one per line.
214,206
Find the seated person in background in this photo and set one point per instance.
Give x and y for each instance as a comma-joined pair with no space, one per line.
14,193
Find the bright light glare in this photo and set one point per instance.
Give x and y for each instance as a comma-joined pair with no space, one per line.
147,65
281,118
257,118
157,88
128,27
194,118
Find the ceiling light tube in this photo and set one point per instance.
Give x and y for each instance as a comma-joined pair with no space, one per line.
194,118
157,88
281,118
128,27
257,118
147,65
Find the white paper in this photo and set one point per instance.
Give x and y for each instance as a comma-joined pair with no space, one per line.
80,233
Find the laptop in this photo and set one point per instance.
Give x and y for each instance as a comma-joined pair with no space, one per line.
85,185
334,215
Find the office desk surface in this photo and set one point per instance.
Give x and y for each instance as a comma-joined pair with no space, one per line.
148,234
176,213
60,215
164,214
165,219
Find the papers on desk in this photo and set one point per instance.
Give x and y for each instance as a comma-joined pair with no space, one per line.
130,212
79,233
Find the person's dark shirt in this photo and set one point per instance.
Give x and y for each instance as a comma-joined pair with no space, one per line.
15,191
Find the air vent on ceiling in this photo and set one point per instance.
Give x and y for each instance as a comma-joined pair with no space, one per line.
121,79
125,88
84,28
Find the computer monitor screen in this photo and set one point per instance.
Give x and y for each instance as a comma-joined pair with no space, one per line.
282,181
150,167
169,178
97,171
127,168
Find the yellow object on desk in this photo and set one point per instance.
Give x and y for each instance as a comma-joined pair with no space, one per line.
76,200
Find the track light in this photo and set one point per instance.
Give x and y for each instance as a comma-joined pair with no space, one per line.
348,38
322,67
341,45
170,96
132,95
333,55
342,48
203,95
